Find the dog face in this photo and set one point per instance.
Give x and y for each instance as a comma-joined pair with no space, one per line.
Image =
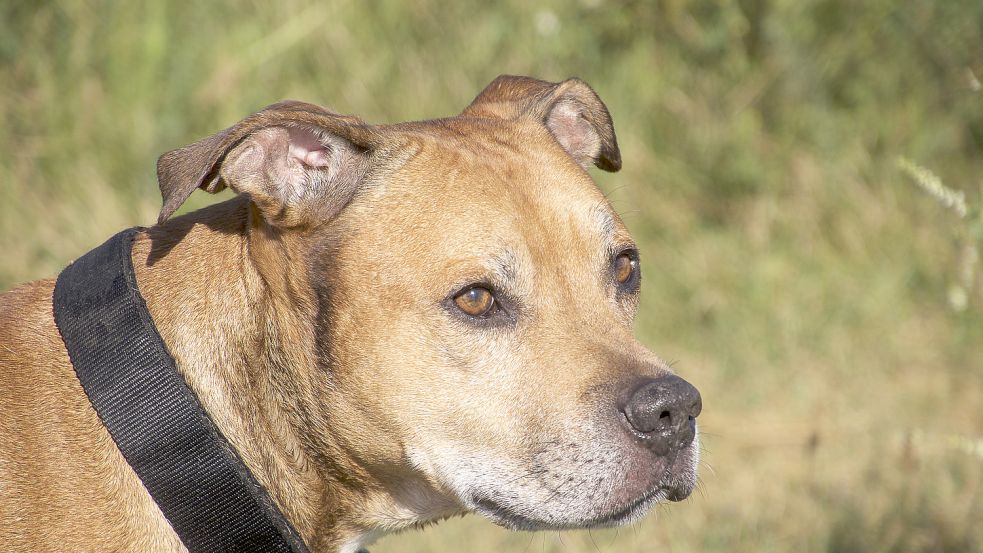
474,294
492,342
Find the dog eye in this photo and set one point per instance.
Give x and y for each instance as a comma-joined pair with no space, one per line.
624,268
475,301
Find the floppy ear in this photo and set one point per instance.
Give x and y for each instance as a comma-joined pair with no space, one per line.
571,110
294,160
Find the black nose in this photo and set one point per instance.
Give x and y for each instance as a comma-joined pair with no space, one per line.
663,413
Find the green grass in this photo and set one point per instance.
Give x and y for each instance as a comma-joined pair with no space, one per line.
792,269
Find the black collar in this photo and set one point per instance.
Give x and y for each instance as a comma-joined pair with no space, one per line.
196,477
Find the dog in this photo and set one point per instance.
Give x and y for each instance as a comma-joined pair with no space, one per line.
392,325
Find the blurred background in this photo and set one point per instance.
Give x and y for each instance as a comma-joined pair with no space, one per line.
803,176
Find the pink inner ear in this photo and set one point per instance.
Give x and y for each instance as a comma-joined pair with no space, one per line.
577,136
306,148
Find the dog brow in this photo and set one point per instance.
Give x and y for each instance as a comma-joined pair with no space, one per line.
510,272
506,266
601,214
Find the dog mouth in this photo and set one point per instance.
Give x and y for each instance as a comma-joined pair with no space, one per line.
674,482
507,517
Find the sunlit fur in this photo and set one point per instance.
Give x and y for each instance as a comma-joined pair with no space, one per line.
323,340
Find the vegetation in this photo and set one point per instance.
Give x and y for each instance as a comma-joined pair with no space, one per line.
792,269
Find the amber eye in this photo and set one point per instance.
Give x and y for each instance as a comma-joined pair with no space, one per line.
624,268
475,301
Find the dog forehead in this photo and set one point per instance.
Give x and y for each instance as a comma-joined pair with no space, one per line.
456,199
468,172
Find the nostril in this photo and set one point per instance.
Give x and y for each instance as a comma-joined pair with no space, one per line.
662,411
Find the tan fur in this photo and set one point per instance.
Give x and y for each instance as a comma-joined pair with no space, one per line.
323,346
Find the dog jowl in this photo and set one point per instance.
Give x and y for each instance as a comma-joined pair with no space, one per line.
392,324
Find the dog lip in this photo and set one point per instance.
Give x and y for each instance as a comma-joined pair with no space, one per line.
502,515
652,496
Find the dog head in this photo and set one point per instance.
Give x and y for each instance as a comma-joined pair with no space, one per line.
467,295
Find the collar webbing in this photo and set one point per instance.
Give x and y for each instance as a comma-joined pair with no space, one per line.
196,477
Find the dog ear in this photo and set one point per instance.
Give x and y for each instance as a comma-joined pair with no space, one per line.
571,110
293,159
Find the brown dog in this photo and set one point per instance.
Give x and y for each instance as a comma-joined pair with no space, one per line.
392,324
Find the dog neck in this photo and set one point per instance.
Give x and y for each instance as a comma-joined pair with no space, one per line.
239,319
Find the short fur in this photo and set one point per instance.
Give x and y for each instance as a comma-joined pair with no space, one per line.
313,315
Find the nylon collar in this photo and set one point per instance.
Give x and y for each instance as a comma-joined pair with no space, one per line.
209,496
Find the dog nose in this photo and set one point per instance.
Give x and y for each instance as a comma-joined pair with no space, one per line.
663,411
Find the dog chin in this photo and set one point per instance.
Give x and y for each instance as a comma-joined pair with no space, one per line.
675,487
506,517
677,484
